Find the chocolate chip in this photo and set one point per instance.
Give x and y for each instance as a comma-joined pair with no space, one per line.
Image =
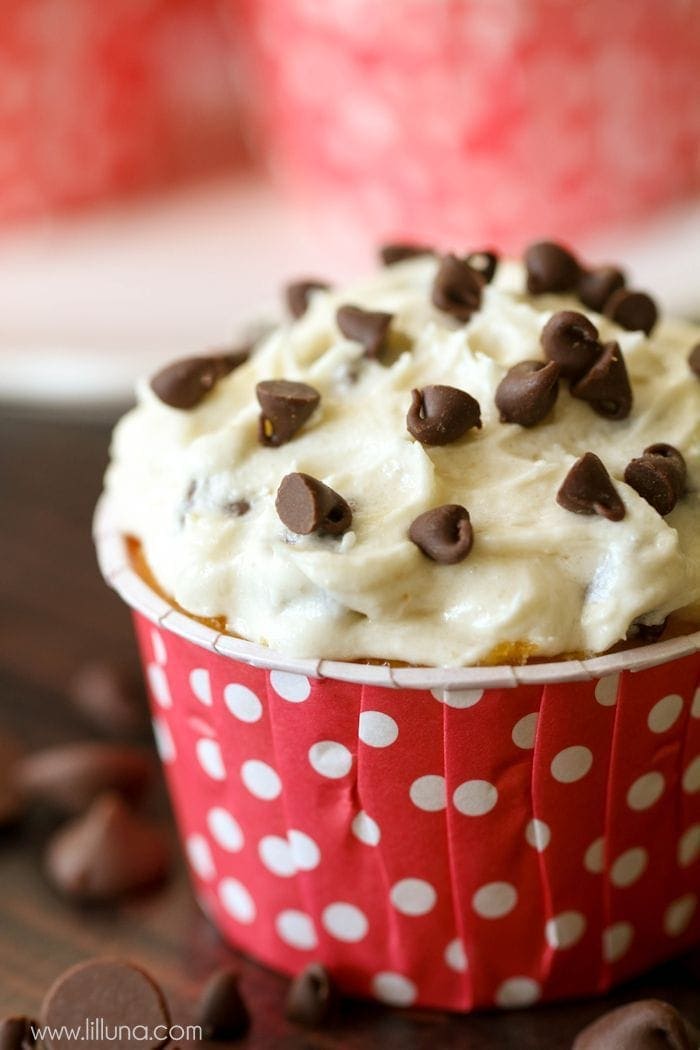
606,385
221,1011
12,803
596,286
485,263
571,340
368,327
659,476
444,534
457,288
304,504
236,508
185,383
646,1025
68,778
286,406
550,268
588,489
104,994
645,632
527,392
635,311
16,1033
694,360
107,852
441,414
298,295
396,253
111,696
313,998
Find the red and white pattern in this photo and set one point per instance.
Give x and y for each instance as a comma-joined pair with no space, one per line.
455,849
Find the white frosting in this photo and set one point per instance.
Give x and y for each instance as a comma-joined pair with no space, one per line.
537,573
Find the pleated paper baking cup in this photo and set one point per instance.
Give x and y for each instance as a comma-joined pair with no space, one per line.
451,838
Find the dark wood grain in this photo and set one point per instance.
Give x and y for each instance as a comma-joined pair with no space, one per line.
55,612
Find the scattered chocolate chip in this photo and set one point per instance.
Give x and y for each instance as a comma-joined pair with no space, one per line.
485,263
571,340
313,998
635,311
286,406
457,288
395,253
298,294
550,268
368,327
596,286
646,1025
606,385
236,508
185,383
221,1011
111,696
105,993
527,392
304,504
588,489
69,777
16,1033
694,360
646,632
441,414
443,534
107,852
659,476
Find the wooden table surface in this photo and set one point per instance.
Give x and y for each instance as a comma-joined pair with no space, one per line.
55,613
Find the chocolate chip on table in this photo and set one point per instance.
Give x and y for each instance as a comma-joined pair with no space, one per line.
596,286
646,1025
183,384
588,489
304,504
571,340
396,253
221,1011
527,392
659,476
107,852
286,406
298,295
550,268
457,288
606,386
69,777
111,696
16,1033
313,998
694,360
635,311
443,534
368,327
117,992
485,263
441,414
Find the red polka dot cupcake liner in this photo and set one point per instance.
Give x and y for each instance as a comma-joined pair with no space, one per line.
460,839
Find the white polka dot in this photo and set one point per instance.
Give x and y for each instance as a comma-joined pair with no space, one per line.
518,991
209,757
276,854
565,930
571,764
459,698
160,654
293,687
237,900
679,914
201,685
606,690
689,846
474,798
225,829
377,729
665,713
455,956
394,989
199,855
261,779
165,745
428,793
538,835
242,702
345,922
617,940
296,929
494,900
366,829
413,896
305,852
629,867
646,791
691,777
594,857
525,731
158,683
330,759
695,709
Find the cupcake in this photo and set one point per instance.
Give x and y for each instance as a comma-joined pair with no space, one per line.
417,589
